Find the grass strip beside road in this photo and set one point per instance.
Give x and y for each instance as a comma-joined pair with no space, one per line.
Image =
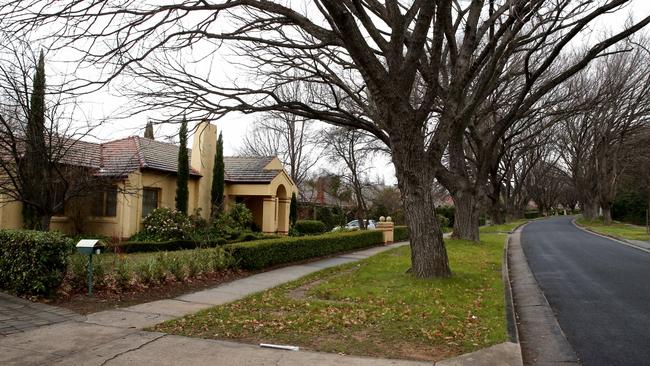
616,229
374,308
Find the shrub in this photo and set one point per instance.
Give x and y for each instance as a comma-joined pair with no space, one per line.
123,273
448,212
266,253
99,270
531,214
164,224
32,262
241,216
330,217
157,246
310,227
77,270
148,271
630,206
401,233
232,223
173,264
442,220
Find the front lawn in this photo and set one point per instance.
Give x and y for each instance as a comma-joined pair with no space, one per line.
616,229
374,308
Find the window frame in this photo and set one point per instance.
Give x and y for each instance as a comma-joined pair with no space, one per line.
158,195
103,205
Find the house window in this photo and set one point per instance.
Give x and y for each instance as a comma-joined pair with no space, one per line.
106,203
149,200
59,198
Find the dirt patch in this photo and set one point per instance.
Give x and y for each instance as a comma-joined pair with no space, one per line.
300,293
106,299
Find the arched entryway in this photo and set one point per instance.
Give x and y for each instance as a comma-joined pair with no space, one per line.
282,210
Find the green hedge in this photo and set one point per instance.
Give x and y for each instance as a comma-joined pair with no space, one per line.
310,227
401,233
267,253
532,214
157,246
32,262
449,212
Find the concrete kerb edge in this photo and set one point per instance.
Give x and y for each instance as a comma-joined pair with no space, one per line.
511,318
610,237
525,260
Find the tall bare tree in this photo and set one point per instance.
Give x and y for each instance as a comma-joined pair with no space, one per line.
287,136
615,107
414,74
353,150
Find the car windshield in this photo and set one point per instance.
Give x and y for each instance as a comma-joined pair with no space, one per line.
355,223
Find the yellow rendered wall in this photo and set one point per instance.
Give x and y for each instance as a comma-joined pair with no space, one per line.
11,215
204,147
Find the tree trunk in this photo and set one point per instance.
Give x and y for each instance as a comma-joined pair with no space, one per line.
590,210
607,212
415,177
497,211
466,216
43,222
428,252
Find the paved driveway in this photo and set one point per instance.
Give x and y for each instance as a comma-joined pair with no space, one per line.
18,315
599,290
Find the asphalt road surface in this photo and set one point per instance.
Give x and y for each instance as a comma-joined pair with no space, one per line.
599,290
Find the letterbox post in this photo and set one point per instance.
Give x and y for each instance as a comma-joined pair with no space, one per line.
90,274
89,247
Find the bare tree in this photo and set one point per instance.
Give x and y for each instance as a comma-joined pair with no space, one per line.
616,107
413,74
285,135
42,160
353,150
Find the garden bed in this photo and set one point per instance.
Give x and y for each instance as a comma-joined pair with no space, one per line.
128,279
104,298
373,308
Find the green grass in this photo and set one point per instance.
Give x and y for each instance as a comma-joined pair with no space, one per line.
373,307
616,229
503,228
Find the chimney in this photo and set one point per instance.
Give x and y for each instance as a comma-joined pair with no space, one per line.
148,131
320,191
204,147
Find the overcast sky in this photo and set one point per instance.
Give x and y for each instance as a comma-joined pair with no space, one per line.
106,103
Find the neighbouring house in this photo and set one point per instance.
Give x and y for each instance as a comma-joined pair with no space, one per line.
144,175
316,193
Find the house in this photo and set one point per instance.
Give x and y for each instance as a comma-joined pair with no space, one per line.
144,175
317,193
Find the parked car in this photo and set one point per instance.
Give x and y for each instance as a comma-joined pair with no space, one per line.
354,224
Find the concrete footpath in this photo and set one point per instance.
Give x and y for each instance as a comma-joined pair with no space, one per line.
115,337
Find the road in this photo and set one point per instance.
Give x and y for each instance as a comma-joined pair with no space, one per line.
599,290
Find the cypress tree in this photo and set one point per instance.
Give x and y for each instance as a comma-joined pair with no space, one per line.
293,209
183,176
35,160
218,179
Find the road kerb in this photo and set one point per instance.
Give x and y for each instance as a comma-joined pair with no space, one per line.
612,238
541,337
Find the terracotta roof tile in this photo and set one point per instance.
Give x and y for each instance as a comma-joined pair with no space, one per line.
124,156
249,169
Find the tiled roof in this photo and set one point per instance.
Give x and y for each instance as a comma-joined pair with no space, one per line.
249,169
80,153
124,156
121,157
